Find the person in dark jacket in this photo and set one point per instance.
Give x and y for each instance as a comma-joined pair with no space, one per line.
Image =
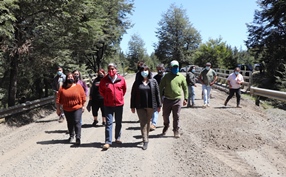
160,73
145,98
96,100
112,88
191,81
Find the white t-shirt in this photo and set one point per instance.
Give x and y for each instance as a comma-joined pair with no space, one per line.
233,79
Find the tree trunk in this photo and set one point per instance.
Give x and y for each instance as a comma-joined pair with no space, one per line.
13,80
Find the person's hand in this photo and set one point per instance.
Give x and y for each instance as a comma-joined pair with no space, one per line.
230,86
212,83
184,102
83,108
159,109
133,110
59,111
195,85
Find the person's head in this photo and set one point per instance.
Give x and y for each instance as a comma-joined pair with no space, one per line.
140,64
208,65
236,70
112,69
145,72
160,68
192,69
101,73
174,66
60,71
69,80
76,75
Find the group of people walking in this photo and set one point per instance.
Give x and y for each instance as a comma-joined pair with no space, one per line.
149,95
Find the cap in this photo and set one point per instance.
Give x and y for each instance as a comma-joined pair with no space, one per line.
174,63
208,64
112,64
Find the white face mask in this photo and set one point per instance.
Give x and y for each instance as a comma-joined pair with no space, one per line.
208,67
144,73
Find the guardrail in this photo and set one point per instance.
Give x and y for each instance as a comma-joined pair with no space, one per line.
273,94
26,106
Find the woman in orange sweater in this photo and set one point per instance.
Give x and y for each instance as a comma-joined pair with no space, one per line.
72,97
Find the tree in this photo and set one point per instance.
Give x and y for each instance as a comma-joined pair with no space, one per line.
267,34
177,38
136,51
215,51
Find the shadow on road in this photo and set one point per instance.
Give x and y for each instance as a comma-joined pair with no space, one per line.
56,131
46,121
65,141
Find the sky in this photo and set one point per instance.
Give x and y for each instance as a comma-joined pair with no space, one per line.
211,18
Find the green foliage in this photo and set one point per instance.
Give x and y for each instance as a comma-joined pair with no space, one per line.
177,38
280,77
136,51
267,34
216,52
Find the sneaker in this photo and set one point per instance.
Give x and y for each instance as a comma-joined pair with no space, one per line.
205,105
165,130
238,106
145,145
61,119
103,123
71,139
208,105
176,134
77,142
152,127
94,123
106,146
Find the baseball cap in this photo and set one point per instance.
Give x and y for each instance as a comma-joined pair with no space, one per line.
174,63
208,64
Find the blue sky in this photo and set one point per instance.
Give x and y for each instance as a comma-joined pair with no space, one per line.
212,18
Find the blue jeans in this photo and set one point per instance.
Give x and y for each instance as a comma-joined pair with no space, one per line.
109,111
191,96
207,93
154,117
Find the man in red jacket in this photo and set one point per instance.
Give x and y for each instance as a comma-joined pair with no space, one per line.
113,88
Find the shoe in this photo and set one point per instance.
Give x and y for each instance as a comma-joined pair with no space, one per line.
238,106
225,103
208,105
152,127
71,139
61,119
77,142
118,141
95,122
165,129
145,145
103,123
106,146
205,105
176,134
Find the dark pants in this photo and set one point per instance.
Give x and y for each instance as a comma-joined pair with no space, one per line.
74,122
95,107
231,93
173,106
145,117
118,111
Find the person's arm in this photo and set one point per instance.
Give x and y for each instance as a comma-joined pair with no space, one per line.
133,97
124,87
157,95
214,79
185,90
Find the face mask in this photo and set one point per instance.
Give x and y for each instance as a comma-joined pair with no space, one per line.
144,73
193,70
175,70
112,72
208,68
59,73
76,77
70,81
236,72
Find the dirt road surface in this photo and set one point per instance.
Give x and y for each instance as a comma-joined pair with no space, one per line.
216,141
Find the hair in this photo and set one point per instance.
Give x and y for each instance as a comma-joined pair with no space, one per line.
59,67
237,68
65,84
191,68
161,66
149,74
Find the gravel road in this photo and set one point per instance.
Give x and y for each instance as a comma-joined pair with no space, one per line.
216,141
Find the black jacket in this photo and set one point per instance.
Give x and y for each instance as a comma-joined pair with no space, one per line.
191,78
135,101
